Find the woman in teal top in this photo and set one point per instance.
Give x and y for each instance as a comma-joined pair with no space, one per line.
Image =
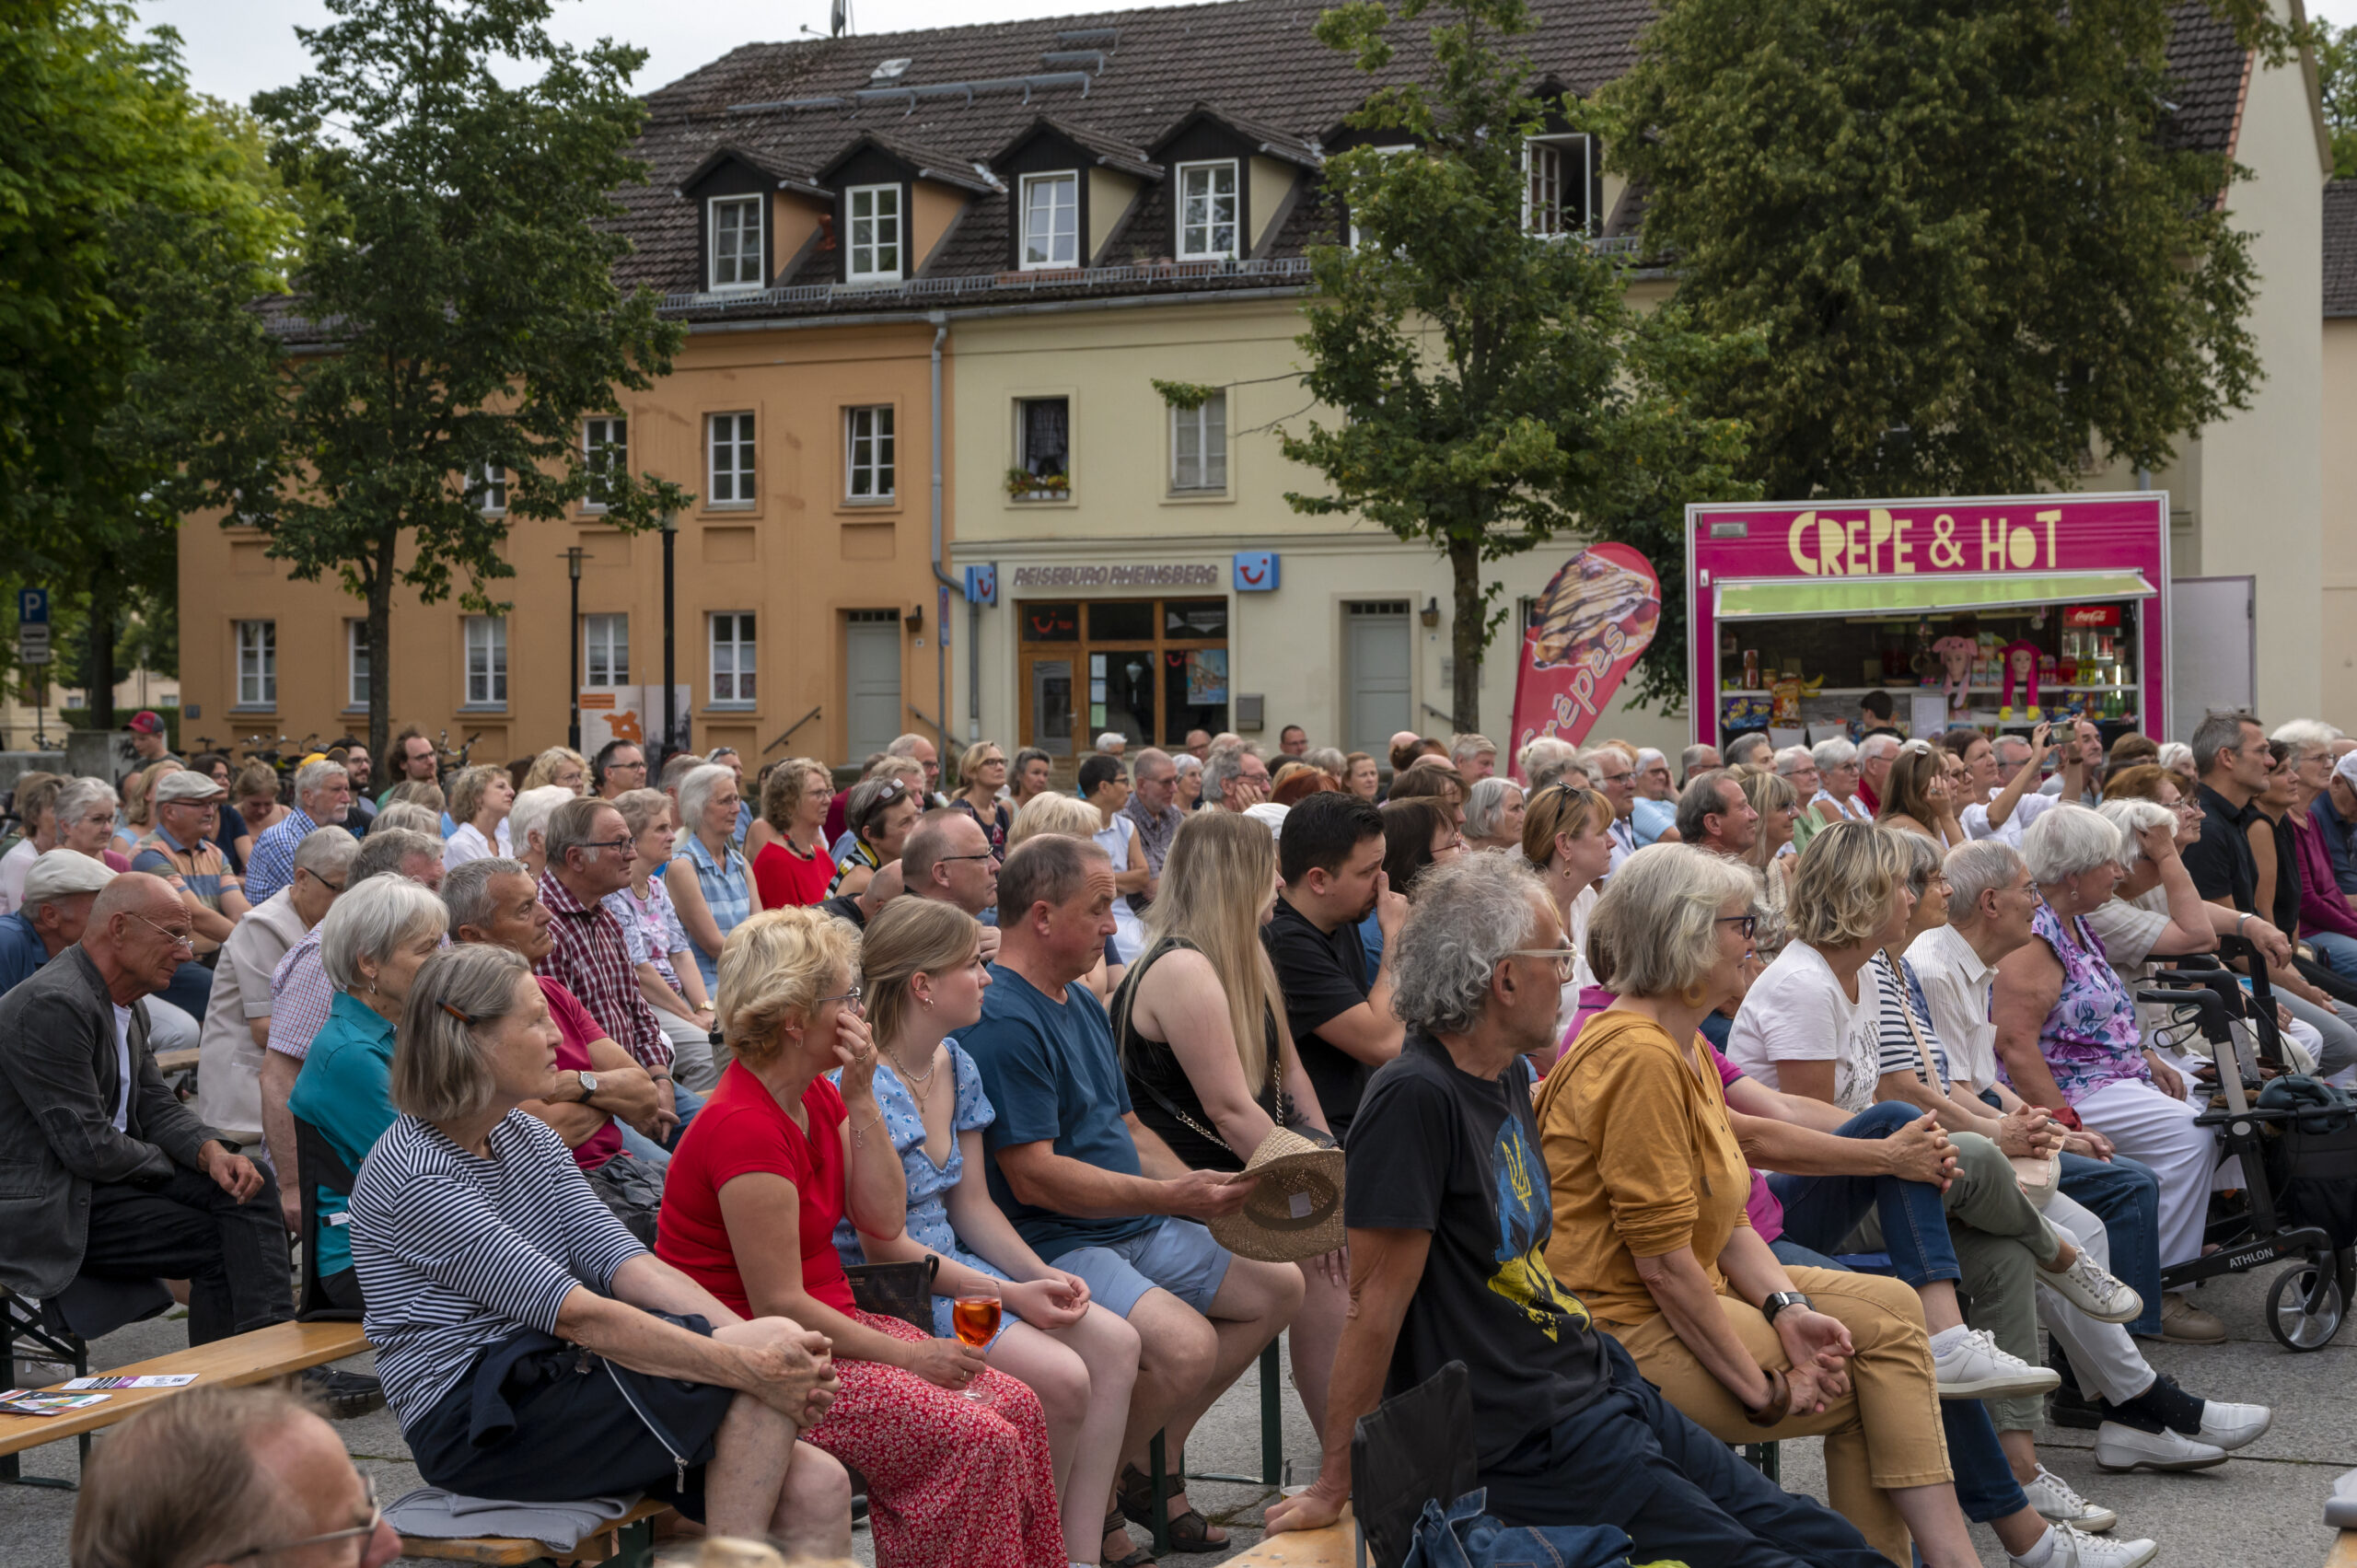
374,938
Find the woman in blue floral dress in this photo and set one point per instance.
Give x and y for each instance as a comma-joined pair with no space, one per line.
923,978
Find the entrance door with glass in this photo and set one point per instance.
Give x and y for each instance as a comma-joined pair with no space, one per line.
1151,669
1377,666
872,680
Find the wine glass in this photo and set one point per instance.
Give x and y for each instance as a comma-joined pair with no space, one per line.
974,1313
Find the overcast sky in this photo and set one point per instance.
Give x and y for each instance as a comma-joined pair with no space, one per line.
236,48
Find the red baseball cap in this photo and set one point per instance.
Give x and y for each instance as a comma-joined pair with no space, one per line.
147,723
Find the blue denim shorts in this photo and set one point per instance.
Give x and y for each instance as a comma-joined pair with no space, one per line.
1178,1256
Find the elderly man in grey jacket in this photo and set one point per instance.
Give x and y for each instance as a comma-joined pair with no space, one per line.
102,1171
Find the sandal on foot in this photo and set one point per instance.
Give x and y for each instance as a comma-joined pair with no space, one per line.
1188,1531
1138,1557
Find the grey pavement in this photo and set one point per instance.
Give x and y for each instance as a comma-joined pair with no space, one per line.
2264,1506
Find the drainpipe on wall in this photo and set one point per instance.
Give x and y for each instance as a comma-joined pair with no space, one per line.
940,652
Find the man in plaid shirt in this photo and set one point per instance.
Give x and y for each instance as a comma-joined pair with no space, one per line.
589,856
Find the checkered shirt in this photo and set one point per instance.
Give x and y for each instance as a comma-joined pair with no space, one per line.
592,960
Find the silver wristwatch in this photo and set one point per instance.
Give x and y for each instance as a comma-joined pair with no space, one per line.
588,1086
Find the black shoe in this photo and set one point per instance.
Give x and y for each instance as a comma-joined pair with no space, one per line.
344,1395
2066,1405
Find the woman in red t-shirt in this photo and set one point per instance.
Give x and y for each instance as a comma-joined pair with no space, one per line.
771,1163
788,845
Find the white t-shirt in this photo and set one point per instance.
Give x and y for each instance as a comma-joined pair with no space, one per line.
122,1067
1796,1011
13,866
1129,931
2028,810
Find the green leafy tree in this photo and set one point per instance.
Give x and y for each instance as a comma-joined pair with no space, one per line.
459,267
1497,390
2336,54
1970,253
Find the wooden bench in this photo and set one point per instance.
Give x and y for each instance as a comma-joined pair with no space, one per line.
628,1542
280,1351
1336,1546
2344,1550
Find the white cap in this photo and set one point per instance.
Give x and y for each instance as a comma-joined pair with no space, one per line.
2346,769
1272,816
62,872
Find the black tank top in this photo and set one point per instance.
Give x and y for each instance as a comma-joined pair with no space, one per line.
1161,1094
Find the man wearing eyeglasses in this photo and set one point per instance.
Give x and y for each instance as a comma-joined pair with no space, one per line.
620,765
113,1175
227,1476
948,859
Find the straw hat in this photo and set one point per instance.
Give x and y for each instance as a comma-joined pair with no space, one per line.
1296,1212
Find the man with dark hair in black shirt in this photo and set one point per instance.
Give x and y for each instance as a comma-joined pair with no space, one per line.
1332,860
1446,1207
2229,750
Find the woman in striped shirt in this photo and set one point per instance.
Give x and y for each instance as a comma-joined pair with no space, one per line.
474,1233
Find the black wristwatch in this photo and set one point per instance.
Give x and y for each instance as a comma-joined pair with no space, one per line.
1778,1300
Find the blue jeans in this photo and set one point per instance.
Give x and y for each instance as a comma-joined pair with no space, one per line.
1821,1210
2127,1197
684,1100
2338,953
1985,1487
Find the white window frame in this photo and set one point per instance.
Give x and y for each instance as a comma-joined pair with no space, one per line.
355,663
487,483
1070,180
605,433
256,642
1392,151
1556,151
1235,214
877,243
486,646
604,650
729,461
1209,476
1023,439
743,268
881,440
735,633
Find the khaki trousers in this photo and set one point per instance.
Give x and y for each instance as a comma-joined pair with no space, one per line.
1884,1434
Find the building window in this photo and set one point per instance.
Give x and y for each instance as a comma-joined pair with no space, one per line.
604,648
1042,449
732,659
355,663
1393,151
868,462
1198,445
486,661
1051,220
1206,210
736,242
729,438
487,485
257,664
605,451
1555,192
875,233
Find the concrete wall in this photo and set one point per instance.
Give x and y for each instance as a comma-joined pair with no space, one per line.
2337,628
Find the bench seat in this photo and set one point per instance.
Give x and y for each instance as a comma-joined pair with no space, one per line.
1333,1546
280,1351
628,1542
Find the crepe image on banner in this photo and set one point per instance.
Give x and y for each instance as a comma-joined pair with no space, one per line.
1596,617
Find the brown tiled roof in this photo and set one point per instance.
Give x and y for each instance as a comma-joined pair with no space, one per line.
2340,248
2205,79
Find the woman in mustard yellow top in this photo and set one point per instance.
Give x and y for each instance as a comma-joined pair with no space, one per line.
1650,1231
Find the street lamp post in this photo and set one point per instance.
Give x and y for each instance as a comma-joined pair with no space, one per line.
670,691
573,556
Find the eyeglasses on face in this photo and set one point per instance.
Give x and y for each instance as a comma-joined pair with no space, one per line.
356,1532
331,886
1746,923
176,938
945,859
1563,958
623,842
850,998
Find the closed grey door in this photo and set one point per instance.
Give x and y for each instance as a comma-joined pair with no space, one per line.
872,680
1377,669
2213,654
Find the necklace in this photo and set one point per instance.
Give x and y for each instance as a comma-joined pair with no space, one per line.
918,1079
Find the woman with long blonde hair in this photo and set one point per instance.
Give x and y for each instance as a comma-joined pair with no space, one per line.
1201,1027
558,766
1566,839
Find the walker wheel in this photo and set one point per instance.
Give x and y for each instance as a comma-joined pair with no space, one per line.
2304,1307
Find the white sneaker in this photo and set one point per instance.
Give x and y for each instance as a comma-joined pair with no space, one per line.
1974,1368
2058,1504
2088,1286
2076,1549
2119,1447
2231,1426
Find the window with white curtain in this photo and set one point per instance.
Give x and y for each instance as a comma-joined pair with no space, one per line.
732,658
604,650
486,661
1198,445
1207,211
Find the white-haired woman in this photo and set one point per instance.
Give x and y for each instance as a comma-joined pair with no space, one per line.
492,1275
1206,1047
924,976
777,1158
1494,814
86,812
374,938
527,825
710,887
480,797
1649,1187
1837,770
1796,765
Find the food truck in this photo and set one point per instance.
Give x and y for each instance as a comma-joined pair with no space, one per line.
1987,611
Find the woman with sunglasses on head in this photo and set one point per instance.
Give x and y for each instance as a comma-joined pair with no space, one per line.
777,1158
981,775
882,812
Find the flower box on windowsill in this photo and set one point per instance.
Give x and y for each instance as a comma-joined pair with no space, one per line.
1022,486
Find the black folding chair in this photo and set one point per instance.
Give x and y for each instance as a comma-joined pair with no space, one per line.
317,1165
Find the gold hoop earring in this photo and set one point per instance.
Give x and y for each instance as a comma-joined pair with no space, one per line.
1692,994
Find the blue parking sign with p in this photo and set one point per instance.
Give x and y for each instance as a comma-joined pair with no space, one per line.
32,607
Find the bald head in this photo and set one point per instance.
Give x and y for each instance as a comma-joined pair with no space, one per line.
139,935
135,892
889,883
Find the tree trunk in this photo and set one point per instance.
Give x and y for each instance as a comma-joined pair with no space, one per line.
1465,635
104,596
379,585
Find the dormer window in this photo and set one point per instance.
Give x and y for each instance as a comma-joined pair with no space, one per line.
1207,211
1051,220
874,251
1555,194
736,228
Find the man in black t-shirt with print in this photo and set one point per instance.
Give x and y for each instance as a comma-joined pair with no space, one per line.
1332,860
1448,1211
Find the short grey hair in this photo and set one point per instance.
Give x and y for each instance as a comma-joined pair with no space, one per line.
1330,760
1745,746
1647,756
1110,738
1789,761
905,745
1546,759
439,1074
1880,744
387,849
572,825
466,888
1700,798
1147,758
533,810
1976,867
2020,743
695,794
1467,917
312,777
1656,929
409,814
327,852
371,919
1691,758
2132,815
2069,840
1187,762
1592,761
1226,765
1833,753
1922,860
1462,748
1049,868
2221,729
2305,735
1485,803
2178,757
77,796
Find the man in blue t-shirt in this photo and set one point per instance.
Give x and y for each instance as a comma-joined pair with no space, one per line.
1093,1191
